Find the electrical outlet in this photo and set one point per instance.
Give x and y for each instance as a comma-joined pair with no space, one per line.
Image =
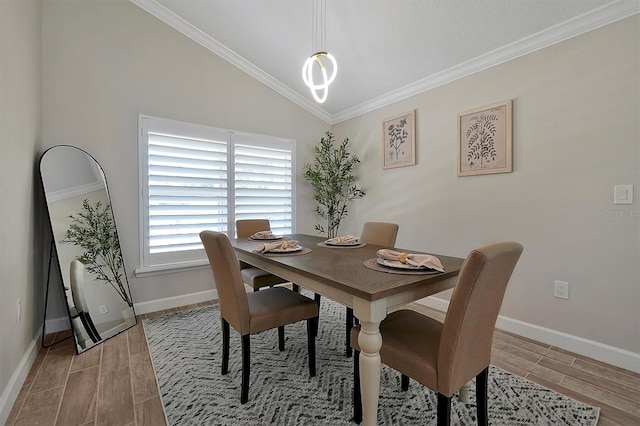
103,309
561,289
18,310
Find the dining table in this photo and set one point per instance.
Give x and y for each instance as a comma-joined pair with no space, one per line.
351,276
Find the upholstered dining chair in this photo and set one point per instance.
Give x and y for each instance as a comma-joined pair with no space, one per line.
445,356
81,309
251,313
376,233
255,277
379,234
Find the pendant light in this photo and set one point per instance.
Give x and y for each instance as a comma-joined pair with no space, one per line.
314,71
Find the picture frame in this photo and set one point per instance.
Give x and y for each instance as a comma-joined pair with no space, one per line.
399,140
485,142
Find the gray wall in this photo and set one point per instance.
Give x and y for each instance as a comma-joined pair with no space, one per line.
106,62
576,135
21,228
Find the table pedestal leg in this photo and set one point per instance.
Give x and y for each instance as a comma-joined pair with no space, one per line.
370,342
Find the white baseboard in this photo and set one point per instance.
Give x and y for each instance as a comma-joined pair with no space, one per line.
58,324
174,302
53,325
589,348
10,392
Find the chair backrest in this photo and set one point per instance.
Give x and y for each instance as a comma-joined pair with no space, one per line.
467,334
247,227
379,233
76,275
234,306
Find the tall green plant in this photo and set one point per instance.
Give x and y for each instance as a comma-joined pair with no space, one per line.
93,230
331,177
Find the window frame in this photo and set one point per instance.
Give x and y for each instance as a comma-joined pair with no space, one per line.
161,263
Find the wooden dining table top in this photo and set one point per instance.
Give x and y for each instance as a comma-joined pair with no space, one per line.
343,268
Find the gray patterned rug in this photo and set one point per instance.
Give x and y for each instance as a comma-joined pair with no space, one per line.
186,354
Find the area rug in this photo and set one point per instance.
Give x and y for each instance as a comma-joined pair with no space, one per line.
186,351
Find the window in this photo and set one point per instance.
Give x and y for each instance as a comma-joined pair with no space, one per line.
195,177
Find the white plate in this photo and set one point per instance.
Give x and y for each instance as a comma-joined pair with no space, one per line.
265,239
397,264
287,250
352,243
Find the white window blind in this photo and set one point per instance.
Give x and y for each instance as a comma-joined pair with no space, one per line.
197,177
263,182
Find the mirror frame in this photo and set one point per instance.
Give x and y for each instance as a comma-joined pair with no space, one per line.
76,284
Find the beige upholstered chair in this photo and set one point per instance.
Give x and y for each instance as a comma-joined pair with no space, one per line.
81,309
255,277
379,234
253,312
445,356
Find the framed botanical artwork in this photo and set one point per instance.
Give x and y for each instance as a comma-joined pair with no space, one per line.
485,140
399,140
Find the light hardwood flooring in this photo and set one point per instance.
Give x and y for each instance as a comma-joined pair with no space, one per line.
114,383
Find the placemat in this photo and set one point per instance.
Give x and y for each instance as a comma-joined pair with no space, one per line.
291,253
373,264
323,244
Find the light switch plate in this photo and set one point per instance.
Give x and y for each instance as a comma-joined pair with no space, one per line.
623,194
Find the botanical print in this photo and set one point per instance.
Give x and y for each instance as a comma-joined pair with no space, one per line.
399,141
484,143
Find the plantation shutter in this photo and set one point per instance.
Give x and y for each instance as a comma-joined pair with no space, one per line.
196,177
263,181
187,191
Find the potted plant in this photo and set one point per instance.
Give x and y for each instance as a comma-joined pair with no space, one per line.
331,177
94,230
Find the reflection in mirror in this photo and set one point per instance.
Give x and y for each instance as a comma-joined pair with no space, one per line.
86,245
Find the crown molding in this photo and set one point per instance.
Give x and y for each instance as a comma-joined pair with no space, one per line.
74,192
584,23
589,21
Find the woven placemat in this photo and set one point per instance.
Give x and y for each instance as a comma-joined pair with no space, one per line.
291,253
323,244
373,264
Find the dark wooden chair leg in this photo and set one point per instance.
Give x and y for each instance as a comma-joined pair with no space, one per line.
246,365
357,396
225,346
444,410
348,326
404,382
482,380
295,287
317,297
281,338
311,345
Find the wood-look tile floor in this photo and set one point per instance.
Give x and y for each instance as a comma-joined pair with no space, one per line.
114,383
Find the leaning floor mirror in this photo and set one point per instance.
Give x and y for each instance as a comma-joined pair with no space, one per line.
86,246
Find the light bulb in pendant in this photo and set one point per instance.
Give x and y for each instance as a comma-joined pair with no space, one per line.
319,59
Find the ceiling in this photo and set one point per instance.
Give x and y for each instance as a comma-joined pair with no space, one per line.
386,50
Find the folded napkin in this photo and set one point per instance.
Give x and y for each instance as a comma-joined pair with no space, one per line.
286,244
263,234
426,260
347,239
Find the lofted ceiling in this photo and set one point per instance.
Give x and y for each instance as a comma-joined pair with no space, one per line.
386,50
